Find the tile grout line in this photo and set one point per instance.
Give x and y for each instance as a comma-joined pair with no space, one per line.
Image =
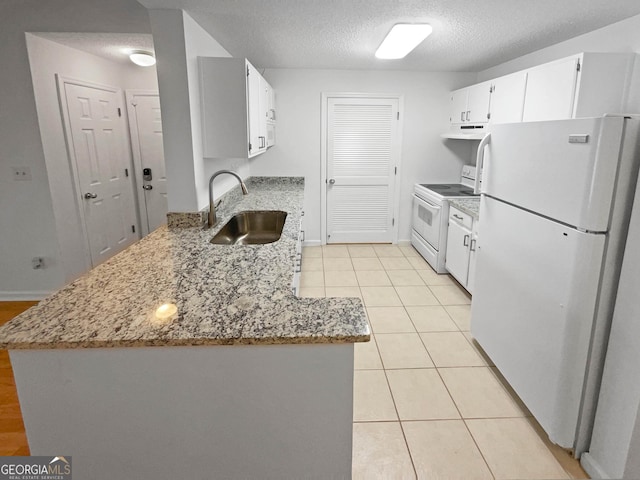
406,442
461,416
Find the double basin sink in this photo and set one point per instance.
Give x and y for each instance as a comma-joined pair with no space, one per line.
252,228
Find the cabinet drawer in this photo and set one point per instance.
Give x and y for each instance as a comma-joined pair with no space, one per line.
462,218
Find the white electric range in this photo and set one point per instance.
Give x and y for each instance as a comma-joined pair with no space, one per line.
431,214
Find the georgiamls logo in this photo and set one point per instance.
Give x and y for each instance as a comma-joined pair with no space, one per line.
35,468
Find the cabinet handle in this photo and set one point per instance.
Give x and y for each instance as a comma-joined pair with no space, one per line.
472,247
468,112
458,217
465,241
462,116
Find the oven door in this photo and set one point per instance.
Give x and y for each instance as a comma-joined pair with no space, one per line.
426,220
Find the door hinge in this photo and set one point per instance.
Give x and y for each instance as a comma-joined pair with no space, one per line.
489,116
247,71
578,66
395,170
133,228
398,116
126,172
492,89
249,146
393,222
119,112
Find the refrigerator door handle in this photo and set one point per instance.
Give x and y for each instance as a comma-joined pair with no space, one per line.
480,161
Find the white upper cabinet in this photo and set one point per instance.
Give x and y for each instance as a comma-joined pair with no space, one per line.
583,85
458,106
271,104
470,104
551,90
507,98
478,103
234,108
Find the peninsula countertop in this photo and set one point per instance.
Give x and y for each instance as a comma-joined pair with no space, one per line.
224,295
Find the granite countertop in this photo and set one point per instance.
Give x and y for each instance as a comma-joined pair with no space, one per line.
470,206
224,294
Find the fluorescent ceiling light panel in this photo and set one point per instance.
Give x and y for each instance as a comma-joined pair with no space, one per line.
403,38
143,59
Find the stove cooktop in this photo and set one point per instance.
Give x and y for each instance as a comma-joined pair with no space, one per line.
449,189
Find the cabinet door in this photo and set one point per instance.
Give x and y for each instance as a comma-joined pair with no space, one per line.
262,126
472,261
457,257
458,106
271,104
507,98
253,107
478,103
551,91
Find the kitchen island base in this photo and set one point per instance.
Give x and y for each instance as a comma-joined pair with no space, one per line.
241,411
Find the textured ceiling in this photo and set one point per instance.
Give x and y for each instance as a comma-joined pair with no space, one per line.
467,35
112,46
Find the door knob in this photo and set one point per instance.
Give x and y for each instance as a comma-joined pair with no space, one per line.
332,181
147,187
90,195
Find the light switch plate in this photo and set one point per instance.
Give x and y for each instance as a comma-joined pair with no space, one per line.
21,173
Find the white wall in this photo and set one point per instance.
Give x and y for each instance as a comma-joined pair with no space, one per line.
425,156
623,36
179,41
47,59
27,226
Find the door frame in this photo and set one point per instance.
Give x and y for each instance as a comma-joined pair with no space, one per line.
61,81
137,161
324,117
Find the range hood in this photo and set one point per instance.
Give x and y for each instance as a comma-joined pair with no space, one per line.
466,132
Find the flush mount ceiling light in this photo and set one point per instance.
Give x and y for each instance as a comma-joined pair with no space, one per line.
142,58
403,38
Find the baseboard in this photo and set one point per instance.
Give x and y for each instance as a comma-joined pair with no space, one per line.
311,243
592,467
23,296
404,243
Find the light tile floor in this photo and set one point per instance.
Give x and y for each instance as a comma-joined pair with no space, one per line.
428,403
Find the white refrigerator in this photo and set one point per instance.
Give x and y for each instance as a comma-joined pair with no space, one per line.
554,213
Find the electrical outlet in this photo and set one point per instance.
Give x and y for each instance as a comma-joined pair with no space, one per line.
21,173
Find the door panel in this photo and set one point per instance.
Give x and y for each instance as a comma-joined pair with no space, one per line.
148,151
98,148
551,90
507,98
362,155
534,166
458,106
478,103
426,221
457,256
533,309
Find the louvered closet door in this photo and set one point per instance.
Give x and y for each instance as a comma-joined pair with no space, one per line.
362,154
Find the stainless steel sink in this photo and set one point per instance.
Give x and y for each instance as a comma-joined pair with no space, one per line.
251,228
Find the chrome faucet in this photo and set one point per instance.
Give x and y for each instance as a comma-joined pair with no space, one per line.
211,219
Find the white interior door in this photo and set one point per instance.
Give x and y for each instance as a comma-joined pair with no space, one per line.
148,154
97,144
362,158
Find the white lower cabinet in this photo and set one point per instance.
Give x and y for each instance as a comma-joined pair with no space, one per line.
461,245
297,267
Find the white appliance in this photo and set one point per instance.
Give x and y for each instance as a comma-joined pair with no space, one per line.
431,213
555,206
